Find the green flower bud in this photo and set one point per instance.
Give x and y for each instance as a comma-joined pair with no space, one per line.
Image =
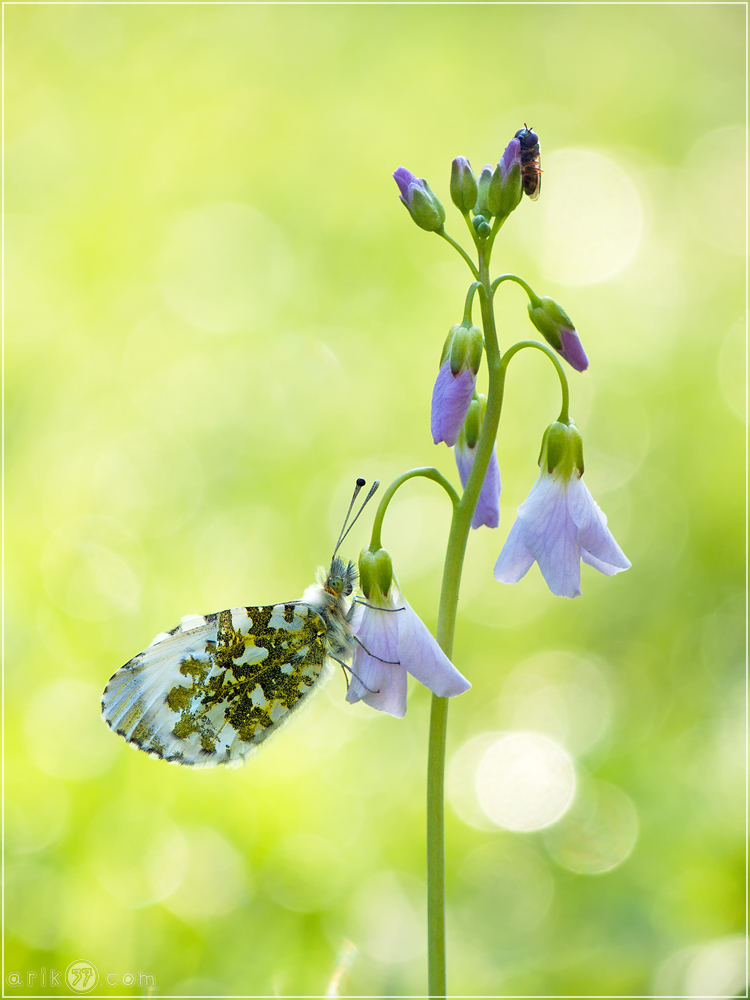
562,449
482,227
557,328
423,206
426,209
463,185
483,186
375,573
505,191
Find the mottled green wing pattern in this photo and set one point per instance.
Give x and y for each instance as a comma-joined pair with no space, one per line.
214,688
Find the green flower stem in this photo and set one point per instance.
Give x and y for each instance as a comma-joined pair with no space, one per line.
470,302
563,418
459,249
496,227
533,297
463,512
389,494
472,230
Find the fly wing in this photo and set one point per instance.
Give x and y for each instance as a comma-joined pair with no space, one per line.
534,179
214,688
538,189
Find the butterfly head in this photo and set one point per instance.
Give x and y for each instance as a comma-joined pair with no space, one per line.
341,578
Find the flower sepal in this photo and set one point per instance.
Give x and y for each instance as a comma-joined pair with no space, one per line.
472,427
375,573
562,449
465,346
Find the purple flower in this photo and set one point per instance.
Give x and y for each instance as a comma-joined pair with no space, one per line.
506,187
511,157
487,511
390,630
406,179
454,387
557,328
451,397
424,207
559,523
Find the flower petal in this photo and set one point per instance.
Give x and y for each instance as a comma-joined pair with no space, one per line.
551,535
381,685
515,560
386,681
464,456
487,511
511,156
572,350
423,658
594,536
405,178
377,631
451,397
601,566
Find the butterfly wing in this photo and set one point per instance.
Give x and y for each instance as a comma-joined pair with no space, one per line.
214,688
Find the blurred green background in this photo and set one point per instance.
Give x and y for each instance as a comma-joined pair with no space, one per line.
217,316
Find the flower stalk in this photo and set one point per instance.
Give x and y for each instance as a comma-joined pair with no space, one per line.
460,419
463,512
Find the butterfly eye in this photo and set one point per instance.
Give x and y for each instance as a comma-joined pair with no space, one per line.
335,584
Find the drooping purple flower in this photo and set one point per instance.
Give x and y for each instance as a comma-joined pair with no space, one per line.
487,512
390,630
558,330
454,386
451,397
559,523
424,207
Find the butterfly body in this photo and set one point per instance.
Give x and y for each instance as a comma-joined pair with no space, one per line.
215,687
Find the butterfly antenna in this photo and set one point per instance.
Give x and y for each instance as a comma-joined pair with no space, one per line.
345,530
357,487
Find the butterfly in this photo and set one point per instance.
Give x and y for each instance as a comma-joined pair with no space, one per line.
214,688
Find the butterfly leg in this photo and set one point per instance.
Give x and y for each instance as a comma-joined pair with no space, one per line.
374,606
395,663
345,667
